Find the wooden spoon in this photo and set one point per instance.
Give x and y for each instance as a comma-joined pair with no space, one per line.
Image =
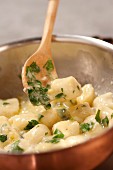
43,54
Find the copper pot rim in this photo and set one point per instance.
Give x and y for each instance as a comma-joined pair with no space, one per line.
61,38
65,38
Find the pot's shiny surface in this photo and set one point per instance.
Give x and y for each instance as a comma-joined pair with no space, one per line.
87,59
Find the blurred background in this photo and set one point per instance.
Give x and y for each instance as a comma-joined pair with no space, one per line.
20,19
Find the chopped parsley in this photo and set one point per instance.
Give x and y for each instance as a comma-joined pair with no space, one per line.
38,96
84,127
60,95
46,133
3,138
57,136
16,148
33,68
97,117
78,87
104,122
31,124
5,103
48,86
111,115
53,140
40,116
36,92
49,66
62,90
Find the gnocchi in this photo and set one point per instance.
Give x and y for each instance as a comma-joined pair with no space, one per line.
71,115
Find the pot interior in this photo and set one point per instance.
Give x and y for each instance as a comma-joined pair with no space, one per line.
87,62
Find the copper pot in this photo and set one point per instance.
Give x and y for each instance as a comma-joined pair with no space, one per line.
90,61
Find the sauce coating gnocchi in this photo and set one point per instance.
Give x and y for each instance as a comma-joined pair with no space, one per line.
75,115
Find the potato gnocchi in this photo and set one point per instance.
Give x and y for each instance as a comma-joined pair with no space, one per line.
74,114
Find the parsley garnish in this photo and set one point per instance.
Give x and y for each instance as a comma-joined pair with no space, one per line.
36,92
104,122
33,68
84,127
78,87
62,90
48,86
38,96
97,117
40,116
111,115
59,95
31,124
49,66
57,136
53,140
3,138
16,148
5,103
46,133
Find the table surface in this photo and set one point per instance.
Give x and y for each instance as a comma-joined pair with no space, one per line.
25,19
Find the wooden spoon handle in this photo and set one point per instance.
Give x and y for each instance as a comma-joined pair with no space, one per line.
49,24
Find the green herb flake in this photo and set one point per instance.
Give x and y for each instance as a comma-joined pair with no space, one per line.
38,97
57,136
111,115
97,117
78,87
60,95
84,127
48,86
40,116
31,124
46,133
16,148
49,66
105,121
62,90
3,138
53,140
33,68
36,92
5,103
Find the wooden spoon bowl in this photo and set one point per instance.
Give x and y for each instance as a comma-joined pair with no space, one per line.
43,54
